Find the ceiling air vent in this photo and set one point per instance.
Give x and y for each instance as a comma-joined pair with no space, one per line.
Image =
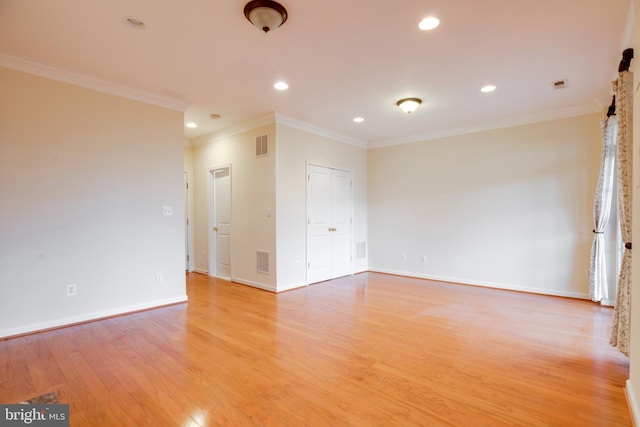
560,84
262,145
262,261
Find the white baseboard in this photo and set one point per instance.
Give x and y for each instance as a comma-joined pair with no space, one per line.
263,286
88,317
201,271
292,286
632,401
608,302
494,285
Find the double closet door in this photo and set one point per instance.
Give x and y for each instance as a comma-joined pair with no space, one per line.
329,223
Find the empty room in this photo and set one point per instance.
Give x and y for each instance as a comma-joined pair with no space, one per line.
326,213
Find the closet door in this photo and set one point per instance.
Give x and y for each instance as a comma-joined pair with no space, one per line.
329,201
341,223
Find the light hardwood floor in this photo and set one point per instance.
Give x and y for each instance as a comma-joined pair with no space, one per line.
366,350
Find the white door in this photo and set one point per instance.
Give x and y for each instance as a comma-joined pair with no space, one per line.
341,219
220,229
329,201
318,224
186,221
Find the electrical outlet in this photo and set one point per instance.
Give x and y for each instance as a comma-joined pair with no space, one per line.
423,258
403,257
158,277
167,210
72,290
297,265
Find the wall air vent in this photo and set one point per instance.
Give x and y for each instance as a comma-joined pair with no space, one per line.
262,261
262,145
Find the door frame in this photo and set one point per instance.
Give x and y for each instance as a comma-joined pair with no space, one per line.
211,245
188,224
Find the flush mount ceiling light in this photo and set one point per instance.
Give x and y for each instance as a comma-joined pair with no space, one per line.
358,119
191,125
409,105
488,89
266,15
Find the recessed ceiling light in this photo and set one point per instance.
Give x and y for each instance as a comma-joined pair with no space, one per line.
281,86
191,125
359,119
429,23
133,22
487,88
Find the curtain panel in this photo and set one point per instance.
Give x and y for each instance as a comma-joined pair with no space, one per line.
620,332
598,286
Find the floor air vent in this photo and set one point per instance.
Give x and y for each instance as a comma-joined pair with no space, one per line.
262,261
262,145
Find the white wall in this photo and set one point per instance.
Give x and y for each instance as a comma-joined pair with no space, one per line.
83,179
296,148
507,208
253,192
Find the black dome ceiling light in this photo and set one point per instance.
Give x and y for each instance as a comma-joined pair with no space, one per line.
266,15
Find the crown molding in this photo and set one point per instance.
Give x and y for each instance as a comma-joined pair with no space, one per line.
275,118
32,66
562,113
316,130
229,131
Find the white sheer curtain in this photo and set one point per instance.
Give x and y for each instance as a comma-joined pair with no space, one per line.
598,286
624,108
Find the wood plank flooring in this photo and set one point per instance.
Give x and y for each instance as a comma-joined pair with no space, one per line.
365,350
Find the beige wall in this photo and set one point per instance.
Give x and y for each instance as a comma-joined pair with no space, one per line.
83,179
253,192
296,149
508,208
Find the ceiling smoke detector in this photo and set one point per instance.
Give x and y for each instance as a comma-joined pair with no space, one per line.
134,23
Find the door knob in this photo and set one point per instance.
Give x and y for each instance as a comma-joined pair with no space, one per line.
215,228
